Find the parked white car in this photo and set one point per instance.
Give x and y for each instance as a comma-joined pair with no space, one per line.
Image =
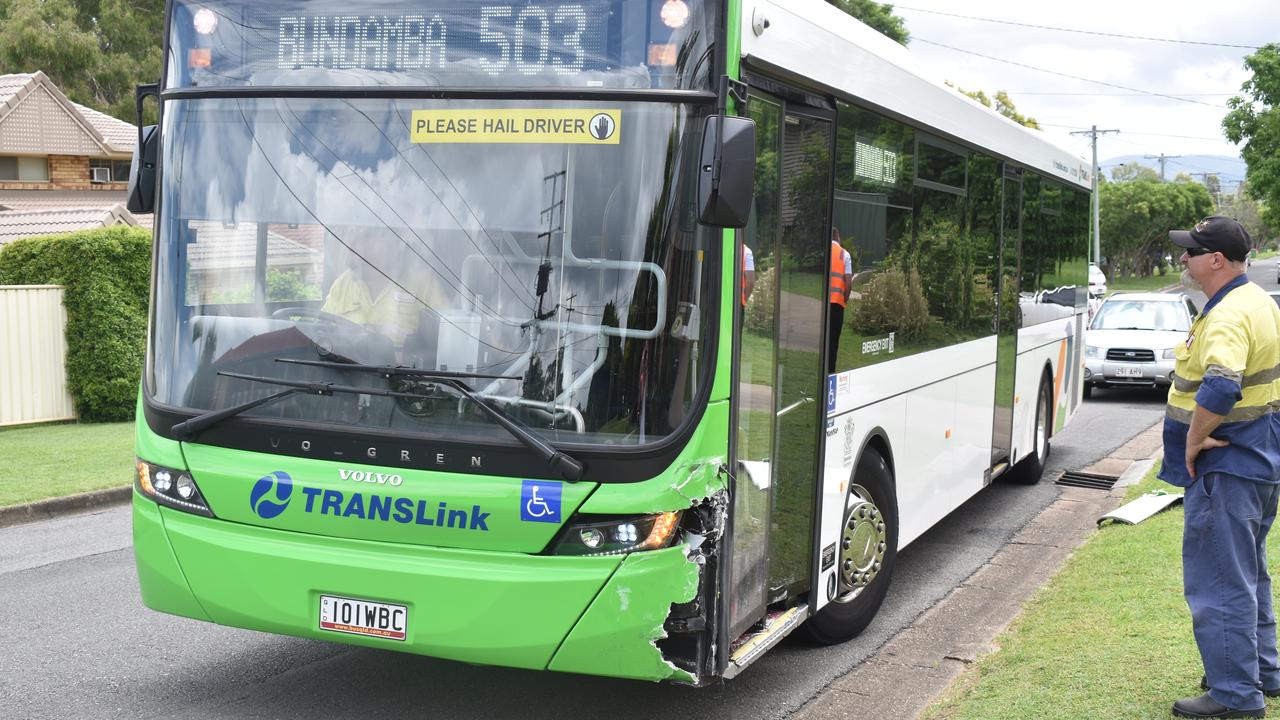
1097,281
1132,338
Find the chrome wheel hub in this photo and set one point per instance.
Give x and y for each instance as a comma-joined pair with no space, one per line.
863,542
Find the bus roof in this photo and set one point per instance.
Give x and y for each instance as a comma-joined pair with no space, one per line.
814,40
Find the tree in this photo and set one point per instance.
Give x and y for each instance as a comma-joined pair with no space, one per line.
878,16
1131,172
1255,120
1136,218
1250,214
1003,104
96,51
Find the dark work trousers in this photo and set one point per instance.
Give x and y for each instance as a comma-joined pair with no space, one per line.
835,321
1225,581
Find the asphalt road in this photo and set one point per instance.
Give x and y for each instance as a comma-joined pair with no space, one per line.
76,642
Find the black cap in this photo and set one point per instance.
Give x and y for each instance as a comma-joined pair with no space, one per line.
1216,233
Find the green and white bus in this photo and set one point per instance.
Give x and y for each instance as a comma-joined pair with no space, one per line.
509,333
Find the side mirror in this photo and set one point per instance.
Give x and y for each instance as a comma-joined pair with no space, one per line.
142,172
727,171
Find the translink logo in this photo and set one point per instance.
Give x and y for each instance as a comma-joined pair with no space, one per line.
362,506
384,508
282,485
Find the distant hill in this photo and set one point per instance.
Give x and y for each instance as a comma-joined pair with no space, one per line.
1230,169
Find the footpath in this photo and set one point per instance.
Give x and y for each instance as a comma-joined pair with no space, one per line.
920,663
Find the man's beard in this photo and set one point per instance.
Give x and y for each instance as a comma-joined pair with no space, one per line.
1189,282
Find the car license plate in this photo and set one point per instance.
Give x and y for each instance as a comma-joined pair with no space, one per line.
1129,372
362,617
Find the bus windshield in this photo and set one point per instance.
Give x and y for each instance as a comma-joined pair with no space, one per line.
551,244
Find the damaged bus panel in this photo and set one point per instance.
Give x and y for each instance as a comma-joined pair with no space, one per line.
489,332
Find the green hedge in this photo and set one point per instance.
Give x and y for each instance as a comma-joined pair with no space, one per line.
107,274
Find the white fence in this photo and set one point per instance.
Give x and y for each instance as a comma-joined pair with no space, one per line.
33,355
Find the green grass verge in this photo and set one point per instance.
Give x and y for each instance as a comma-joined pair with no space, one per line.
1146,284
1108,637
47,461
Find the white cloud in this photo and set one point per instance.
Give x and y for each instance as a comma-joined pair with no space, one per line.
1205,74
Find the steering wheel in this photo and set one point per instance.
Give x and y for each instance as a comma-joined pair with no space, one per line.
317,316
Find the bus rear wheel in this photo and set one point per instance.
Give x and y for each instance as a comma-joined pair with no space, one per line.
1031,468
868,551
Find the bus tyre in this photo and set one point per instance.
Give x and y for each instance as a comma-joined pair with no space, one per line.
1031,468
868,550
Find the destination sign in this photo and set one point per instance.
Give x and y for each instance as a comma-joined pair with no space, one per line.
440,43
499,39
508,125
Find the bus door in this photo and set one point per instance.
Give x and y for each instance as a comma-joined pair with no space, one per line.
1008,317
781,368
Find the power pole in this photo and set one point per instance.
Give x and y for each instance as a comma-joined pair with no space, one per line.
1093,134
1162,158
1205,182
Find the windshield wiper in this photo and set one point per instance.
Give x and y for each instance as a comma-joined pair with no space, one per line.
188,428
569,468
398,370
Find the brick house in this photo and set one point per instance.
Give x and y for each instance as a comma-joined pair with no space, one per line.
48,142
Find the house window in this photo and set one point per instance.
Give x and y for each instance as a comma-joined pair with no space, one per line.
112,170
24,169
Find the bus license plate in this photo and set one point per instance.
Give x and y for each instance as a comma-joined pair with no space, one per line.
362,617
1129,372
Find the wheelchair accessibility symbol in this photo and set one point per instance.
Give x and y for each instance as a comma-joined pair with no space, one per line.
540,501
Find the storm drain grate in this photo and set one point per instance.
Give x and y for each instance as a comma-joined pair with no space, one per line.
1091,481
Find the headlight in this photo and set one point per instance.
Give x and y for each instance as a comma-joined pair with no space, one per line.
1091,351
598,535
171,488
1169,354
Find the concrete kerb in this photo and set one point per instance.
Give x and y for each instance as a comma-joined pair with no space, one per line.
58,507
915,667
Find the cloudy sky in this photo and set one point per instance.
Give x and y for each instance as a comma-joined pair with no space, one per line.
1149,124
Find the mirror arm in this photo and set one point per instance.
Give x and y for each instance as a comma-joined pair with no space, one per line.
729,88
141,93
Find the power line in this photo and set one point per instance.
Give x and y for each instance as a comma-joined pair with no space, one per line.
1134,132
1065,75
1011,92
1071,30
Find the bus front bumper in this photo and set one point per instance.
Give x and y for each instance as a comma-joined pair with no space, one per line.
598,616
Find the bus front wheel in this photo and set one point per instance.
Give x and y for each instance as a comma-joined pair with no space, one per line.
868,550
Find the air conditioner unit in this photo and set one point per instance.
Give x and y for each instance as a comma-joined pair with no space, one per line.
100,174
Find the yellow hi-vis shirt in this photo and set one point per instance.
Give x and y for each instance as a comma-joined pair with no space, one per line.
1229,364
394,312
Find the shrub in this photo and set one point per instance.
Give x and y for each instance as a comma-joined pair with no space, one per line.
893,301
759,312
107,275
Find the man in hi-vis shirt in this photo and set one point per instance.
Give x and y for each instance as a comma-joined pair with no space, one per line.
1222,443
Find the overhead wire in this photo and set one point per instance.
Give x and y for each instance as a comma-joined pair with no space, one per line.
1065,75
1073,30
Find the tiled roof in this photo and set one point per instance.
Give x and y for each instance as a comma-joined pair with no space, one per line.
120,135
113,136
49,199
32,200
221,247
16,224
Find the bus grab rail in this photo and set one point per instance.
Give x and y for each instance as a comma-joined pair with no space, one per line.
618,332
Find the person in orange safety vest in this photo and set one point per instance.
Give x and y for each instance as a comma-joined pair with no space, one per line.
838,286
